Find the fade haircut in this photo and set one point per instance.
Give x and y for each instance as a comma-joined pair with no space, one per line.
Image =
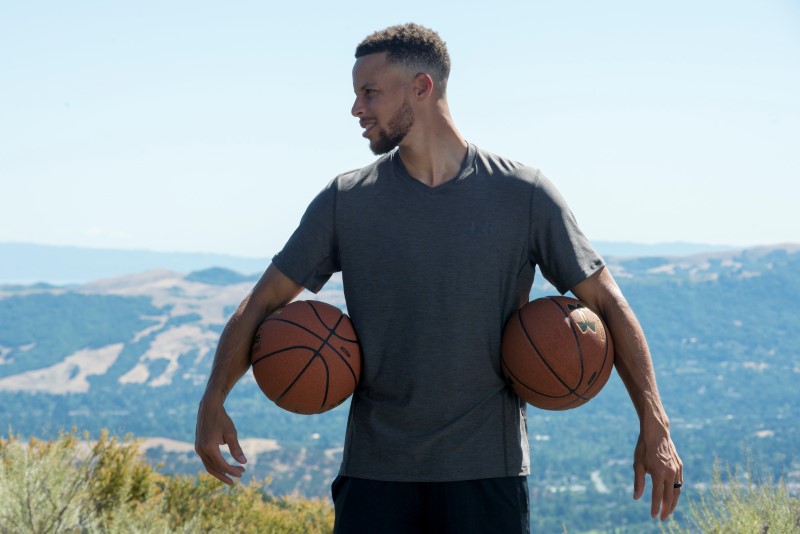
412,46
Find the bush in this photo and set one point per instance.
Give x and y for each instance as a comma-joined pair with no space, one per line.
734,507
74,485
43,487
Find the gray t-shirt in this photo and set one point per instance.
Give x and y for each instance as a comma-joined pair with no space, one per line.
430,277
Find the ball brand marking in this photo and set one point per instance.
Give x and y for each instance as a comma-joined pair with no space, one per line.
556,354
298,359
591,379
585,323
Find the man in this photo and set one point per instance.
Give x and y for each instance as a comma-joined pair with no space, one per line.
437,242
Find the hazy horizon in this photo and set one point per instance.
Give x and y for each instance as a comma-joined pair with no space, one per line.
31,263
111,248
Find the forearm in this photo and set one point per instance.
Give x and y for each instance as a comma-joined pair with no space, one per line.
631,353
634,364
232,358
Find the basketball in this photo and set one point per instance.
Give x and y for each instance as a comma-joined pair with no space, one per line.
556,353
306,357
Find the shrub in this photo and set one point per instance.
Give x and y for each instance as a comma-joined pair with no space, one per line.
734,507
75,485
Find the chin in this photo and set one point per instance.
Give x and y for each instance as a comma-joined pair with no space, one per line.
385,143
380,148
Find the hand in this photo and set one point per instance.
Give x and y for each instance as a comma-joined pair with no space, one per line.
656,454
215,428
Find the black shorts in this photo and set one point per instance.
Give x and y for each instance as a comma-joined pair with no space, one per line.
491,505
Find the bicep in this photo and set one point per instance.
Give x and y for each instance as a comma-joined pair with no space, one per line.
272,291
599,292
603,296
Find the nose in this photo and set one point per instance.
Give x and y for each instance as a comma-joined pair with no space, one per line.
358,108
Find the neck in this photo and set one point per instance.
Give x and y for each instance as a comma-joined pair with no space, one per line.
433,150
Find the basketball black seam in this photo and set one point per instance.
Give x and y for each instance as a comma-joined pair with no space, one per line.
574,335
333,333
296,378
589,387
580,348
345,338
319,317
304,369
300,326
325,341
273,353
576,398
338,322
327,379
608,341
602,366
568,404
526,386
539,354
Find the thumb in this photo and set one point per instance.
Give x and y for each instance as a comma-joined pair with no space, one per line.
638,479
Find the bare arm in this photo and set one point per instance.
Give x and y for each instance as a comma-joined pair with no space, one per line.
655,452
231,361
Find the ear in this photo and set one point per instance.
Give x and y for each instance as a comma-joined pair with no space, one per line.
423,86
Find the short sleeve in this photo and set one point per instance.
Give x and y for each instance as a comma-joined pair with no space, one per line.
557,245
311,256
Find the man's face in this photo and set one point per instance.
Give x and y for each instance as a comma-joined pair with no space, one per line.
382,106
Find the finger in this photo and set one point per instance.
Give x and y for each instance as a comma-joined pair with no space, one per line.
216,474
216,465
679,478
236,449
658,496
224,476
668,497
675,500
638,479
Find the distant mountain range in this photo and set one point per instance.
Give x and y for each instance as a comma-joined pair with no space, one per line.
132,353
27,263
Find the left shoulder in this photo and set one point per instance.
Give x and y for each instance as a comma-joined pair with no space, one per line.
505,169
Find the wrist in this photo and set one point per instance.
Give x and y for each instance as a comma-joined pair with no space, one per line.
654,421
213,396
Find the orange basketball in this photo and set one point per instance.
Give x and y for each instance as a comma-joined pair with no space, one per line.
306,357
556,353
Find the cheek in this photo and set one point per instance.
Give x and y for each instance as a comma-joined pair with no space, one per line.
372,104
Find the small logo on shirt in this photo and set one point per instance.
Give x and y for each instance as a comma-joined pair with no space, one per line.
481,228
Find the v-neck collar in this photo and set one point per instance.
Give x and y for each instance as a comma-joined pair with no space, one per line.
467,168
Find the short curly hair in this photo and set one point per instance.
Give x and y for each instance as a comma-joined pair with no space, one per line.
412,45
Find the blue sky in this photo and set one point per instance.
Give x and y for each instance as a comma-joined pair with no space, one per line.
197,126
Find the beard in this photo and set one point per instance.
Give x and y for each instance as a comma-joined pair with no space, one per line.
395,131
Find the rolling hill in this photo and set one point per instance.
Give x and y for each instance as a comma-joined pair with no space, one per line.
132,354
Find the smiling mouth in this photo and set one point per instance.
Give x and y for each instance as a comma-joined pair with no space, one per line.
368,127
